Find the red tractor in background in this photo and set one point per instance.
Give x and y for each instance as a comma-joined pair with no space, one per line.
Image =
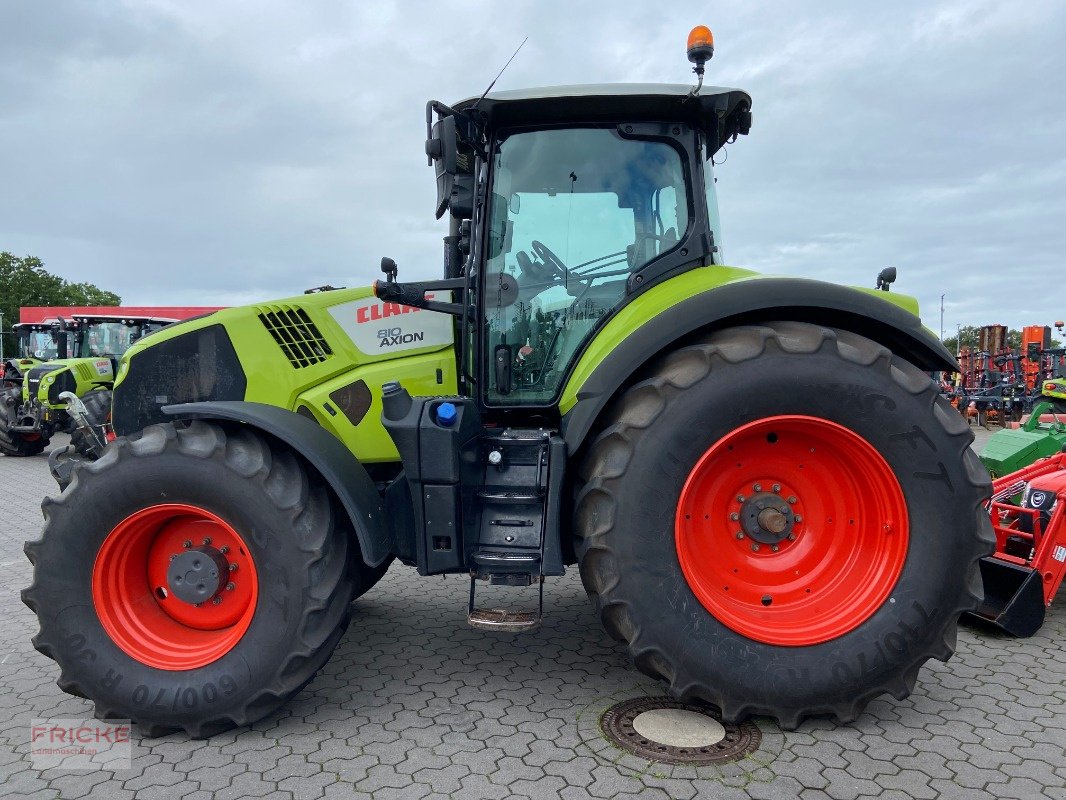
1028,510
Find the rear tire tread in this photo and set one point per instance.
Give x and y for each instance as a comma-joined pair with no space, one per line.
639,406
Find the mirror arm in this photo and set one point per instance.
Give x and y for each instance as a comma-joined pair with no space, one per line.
414,294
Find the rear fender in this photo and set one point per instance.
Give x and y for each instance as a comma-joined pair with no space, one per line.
630,342
323,451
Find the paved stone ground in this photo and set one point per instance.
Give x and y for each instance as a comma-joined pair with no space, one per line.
416,705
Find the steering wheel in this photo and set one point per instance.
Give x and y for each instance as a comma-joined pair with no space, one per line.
544,253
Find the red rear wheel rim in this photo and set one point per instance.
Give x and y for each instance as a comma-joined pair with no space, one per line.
135,590
792,530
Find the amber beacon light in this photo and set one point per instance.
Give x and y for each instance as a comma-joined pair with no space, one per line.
700,51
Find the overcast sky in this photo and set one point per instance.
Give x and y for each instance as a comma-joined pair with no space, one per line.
208,152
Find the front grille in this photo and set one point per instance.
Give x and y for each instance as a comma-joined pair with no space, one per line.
296,335
34,376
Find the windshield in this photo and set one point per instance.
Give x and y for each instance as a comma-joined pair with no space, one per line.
110,339
37,344
573,213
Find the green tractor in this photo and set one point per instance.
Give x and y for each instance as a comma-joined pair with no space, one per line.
1042,435
32,413
37,342
587,384
1054,391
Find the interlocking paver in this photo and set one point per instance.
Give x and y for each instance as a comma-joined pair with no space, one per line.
416,706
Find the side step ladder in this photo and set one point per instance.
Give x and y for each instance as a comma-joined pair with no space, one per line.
518,540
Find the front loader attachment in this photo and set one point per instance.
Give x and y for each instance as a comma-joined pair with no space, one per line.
1028,512
1014,600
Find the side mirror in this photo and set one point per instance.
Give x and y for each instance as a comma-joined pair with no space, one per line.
453,162
442,147
886,277
388,266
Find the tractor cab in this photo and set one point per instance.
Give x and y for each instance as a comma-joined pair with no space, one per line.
36,342
110,336
565,203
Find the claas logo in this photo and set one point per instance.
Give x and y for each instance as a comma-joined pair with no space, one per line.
380,311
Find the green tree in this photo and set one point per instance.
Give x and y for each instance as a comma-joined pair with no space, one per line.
25,282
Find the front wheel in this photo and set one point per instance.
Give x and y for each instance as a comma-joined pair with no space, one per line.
192,578
15,443
783,520
98,414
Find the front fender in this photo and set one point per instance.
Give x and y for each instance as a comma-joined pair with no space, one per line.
643,330
323,451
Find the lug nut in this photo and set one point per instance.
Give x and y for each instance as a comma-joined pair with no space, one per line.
792,537
774,547
792,499
186,544
757,487
173,556
740,534
224,549
206,541
740,498
232,567
230,586
216,601
798,518
776,488
734,516
755,547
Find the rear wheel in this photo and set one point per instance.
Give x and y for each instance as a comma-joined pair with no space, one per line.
13,443
783,520
192,578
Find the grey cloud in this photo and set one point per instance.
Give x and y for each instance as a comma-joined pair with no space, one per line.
213,152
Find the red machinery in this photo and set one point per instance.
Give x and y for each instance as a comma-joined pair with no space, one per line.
1025,572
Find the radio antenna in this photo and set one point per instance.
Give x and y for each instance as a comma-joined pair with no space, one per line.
505,66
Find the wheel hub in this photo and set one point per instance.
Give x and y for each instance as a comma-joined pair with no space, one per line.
792,530
197,575
175,586
767,518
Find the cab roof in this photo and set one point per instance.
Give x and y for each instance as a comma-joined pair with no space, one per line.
718,111
121,318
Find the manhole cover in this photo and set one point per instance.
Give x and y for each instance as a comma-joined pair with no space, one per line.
667,730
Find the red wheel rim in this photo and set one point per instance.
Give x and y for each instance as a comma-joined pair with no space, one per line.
136,586
792,530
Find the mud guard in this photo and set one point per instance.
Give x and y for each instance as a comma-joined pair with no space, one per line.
750,302
323,451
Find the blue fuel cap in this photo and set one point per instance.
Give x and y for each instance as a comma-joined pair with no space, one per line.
446,414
